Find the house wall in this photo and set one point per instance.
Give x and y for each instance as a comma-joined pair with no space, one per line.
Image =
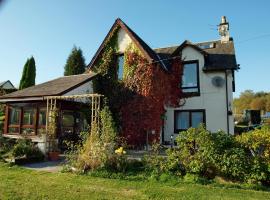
86,88
123,41
212,99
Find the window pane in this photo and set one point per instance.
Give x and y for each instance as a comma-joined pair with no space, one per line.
42,117
68,119
14,116
28,116
182,120
120,66
197,118
189,78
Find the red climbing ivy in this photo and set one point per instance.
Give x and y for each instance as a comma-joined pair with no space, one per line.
153,89
137,102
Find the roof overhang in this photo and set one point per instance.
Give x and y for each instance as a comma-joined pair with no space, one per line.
21,99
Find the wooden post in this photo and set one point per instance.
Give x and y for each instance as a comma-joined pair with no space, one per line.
6,119
47,116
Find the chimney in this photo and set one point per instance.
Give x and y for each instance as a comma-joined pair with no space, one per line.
223,29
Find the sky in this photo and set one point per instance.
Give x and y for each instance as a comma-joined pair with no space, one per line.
49,29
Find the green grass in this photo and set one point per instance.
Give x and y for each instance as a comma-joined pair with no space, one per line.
19,183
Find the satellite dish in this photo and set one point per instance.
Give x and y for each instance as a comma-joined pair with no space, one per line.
218,81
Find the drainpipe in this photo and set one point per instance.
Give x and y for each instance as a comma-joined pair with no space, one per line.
227,103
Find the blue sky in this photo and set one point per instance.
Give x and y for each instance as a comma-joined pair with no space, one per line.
49,29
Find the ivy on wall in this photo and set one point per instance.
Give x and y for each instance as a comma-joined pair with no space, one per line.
137,102
153,89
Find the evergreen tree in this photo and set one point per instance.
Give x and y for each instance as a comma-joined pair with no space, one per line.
75,63
29,74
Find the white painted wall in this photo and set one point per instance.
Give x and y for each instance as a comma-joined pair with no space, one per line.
123,40
86,88
212,99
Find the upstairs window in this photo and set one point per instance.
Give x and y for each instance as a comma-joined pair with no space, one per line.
120,67
190,78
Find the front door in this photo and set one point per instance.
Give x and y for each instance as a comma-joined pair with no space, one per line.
69,129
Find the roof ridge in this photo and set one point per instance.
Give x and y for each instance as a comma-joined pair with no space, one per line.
206,41
156,48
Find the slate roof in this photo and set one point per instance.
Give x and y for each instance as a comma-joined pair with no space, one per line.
54,87
221,56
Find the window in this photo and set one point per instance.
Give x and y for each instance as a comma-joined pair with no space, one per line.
14,120
190,78
28,125
120,67
42,117
28,116
68,119
14,116
183,119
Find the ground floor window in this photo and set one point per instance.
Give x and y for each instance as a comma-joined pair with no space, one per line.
184,119
14,114
26,120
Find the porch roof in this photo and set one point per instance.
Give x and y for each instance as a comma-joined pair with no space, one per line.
56,87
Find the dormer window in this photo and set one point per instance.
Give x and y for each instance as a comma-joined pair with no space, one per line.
120,67
190,78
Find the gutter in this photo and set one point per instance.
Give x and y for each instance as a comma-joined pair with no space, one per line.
22,99
227,103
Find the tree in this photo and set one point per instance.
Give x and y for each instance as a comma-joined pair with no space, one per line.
75,63
29,74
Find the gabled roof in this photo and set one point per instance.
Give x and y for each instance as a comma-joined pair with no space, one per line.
4,82
145,49
219,57
55,87
187,43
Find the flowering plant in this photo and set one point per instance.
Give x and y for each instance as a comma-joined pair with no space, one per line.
120,151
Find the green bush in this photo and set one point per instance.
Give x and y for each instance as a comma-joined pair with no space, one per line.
233,164
257,145
25,148
154,162
195,151
6,145
98,150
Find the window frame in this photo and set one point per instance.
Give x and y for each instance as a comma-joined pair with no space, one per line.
190,94
30,126
117,70
20,126
190,111
10,125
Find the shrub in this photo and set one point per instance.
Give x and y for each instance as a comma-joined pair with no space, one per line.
233,164
6,144
257,145
25,148
209,154
98,150
195,149
154,162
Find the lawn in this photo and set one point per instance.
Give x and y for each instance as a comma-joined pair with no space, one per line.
19,183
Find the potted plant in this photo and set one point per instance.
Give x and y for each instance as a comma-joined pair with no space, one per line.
53,153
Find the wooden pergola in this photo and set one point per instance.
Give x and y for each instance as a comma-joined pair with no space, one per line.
94,99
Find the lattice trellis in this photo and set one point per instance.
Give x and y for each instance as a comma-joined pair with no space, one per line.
94,99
